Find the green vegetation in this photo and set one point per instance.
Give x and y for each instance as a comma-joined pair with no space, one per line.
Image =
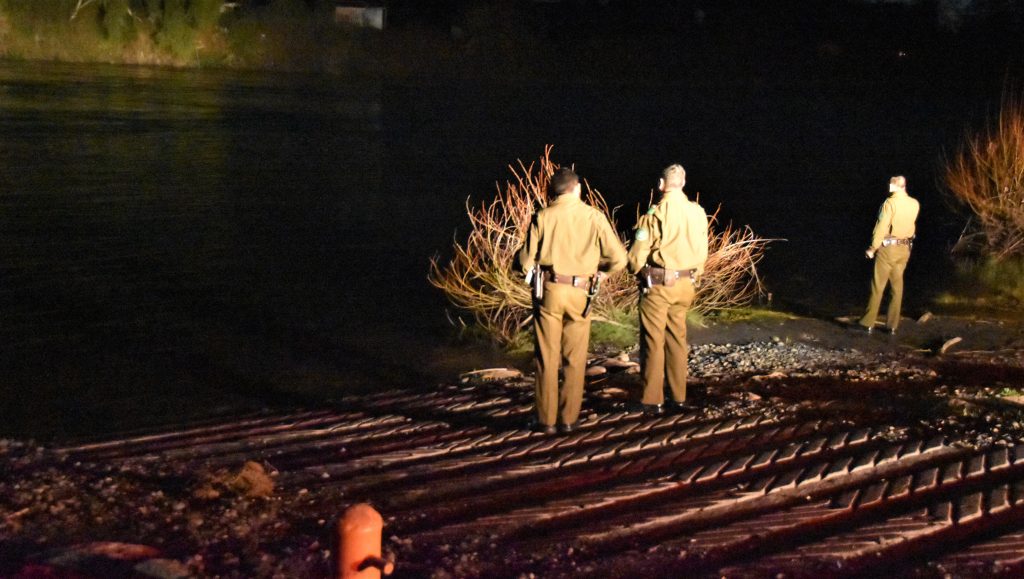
1003,278
619,328
750,314
283,35
991,286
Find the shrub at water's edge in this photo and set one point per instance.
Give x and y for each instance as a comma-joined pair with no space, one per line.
990,285
482,281
986,179
282,35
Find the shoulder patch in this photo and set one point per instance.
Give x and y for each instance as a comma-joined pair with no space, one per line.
641,234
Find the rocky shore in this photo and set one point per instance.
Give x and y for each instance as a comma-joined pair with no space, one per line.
257,495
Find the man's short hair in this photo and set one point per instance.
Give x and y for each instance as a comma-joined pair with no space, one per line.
899,181
563,181
674,176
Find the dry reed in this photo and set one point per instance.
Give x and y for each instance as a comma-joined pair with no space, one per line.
987,177
482,279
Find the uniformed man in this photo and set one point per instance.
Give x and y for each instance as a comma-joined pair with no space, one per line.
890,248
669,249
570,241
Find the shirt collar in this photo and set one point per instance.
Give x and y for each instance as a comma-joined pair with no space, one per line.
565,199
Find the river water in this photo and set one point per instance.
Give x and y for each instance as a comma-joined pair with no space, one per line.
184,242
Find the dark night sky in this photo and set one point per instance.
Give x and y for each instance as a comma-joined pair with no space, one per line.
836,42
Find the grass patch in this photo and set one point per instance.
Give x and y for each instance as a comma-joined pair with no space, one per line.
620,329
749,314
991,287
1004,278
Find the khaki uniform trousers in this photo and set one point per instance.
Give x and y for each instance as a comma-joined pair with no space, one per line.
663,347
890,262
562,335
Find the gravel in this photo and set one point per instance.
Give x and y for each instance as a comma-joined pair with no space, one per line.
200,522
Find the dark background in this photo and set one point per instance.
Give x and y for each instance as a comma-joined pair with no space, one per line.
176,243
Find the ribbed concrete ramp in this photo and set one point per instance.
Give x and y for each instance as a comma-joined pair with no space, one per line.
466,492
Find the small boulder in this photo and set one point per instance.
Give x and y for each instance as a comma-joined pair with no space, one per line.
252,481
619,364
491,375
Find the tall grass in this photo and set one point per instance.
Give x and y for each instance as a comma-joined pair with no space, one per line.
481,278
987,178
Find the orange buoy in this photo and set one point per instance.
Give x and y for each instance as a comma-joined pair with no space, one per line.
359,538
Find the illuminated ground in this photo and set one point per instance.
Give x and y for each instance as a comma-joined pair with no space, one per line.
803,459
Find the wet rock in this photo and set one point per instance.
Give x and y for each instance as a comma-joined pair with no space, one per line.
163,569
618,364
80,554
491,375
613,393
925,317
596,371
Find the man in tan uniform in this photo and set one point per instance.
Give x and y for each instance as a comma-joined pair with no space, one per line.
890,247
669,249
570,240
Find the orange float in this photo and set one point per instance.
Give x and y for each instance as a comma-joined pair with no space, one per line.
359,540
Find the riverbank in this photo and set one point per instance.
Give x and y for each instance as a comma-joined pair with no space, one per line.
185,499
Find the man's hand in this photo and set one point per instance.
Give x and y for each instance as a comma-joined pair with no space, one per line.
870,253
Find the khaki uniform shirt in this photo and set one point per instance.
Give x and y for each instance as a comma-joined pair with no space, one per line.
896,218
673,235
572,238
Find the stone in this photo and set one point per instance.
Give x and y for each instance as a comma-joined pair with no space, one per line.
491,375
618,364
949,344
109,550
596,371
924,317
773,376
163,569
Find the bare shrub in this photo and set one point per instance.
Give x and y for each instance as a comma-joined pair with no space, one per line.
987,177
481,277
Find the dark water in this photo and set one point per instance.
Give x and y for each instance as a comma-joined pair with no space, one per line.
176,242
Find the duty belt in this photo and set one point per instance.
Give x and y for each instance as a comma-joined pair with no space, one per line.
667,277
580,281
897,241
